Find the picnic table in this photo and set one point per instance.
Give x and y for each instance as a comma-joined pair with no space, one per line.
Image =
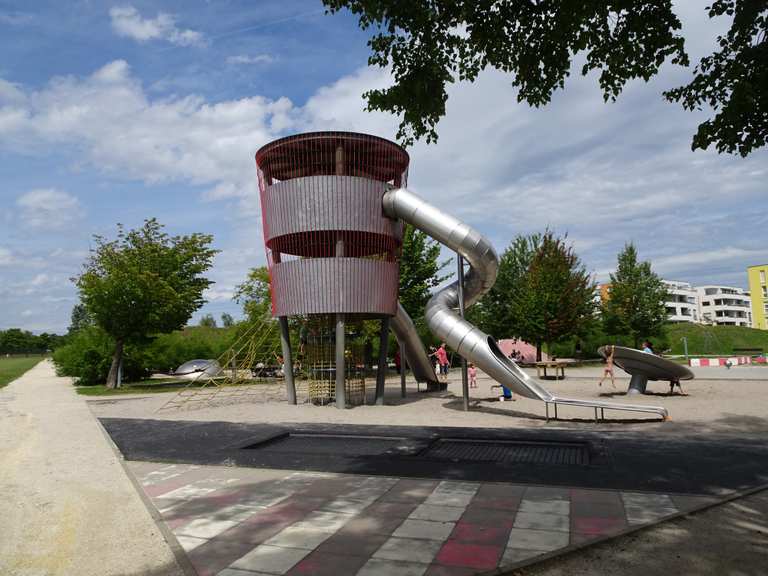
558,365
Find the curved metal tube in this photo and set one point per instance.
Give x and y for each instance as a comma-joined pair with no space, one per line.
422,367
442,319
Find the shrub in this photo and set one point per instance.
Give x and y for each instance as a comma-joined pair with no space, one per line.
88,355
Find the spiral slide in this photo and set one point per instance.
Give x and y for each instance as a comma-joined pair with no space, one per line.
445,322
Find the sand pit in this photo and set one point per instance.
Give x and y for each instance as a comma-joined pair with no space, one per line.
735,401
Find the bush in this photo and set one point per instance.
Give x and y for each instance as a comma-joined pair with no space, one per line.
88,357
168,351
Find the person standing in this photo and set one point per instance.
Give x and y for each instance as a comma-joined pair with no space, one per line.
472,372
608,370
442,360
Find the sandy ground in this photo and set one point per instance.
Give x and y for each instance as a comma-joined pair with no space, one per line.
66,505
718,400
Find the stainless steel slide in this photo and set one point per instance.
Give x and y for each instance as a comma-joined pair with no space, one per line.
443,319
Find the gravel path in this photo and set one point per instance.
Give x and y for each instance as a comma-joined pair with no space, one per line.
67,506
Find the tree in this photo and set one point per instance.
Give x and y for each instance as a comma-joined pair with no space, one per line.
227,321
419,270
254,294
543,293
497,312
79,319
636,303
558,300
733,81
144,283
208,321
429,44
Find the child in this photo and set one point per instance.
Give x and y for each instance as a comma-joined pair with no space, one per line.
608,370
472,371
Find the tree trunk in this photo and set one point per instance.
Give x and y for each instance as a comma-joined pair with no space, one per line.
538,351
116,359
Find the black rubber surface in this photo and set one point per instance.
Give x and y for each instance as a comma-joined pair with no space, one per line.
630,460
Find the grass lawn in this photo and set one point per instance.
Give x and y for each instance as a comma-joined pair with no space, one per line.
12,368
141,387
715,340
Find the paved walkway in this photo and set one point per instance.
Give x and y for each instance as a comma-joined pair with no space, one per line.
66,504
247,521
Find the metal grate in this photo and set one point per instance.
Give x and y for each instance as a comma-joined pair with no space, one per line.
340,445
552,453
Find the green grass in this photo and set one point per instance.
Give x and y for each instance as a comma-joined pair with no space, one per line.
141,387
715,340
12,368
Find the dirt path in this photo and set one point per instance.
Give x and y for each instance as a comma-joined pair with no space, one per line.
67,506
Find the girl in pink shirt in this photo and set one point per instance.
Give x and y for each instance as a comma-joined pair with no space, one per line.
472,371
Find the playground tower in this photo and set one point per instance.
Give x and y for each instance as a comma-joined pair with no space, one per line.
332,253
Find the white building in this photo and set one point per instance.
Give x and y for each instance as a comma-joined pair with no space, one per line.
724,306
681,303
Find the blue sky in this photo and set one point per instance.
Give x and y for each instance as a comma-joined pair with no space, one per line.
117,112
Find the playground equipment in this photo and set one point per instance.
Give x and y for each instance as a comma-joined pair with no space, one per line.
244,372
193,369
333,204
643,367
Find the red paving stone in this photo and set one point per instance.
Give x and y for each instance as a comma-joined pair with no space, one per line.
467,533
476,556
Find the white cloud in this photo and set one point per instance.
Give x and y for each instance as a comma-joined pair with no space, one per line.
6,257
247,59
127,22
703,259
49,208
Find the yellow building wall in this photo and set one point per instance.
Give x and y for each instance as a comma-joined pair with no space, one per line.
758,292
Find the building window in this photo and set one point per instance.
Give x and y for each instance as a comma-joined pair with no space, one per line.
762,276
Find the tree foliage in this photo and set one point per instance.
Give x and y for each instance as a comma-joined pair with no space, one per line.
208,321
79,319
636,303
420,271
430,44
499,311
733,81
254,295
226,320
543,293
18,341
143,283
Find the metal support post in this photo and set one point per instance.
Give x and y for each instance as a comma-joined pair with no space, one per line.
464,378
341,400
685,348
403,368
285,342
381,373
341,396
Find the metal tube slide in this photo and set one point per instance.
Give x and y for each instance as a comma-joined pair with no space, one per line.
442,319
421,366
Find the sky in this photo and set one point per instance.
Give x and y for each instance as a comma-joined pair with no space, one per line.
118,112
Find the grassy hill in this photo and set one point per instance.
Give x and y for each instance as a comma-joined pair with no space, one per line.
715,340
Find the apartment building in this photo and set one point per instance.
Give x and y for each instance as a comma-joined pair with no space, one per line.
681,303
758,290
724,306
